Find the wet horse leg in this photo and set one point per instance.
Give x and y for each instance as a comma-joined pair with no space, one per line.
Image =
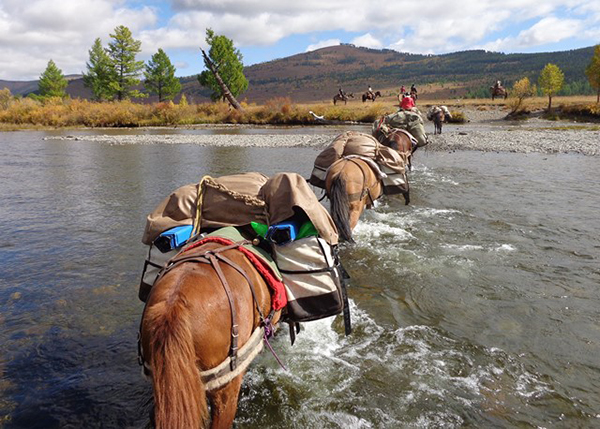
224,403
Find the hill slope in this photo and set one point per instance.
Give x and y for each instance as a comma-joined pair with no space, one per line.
316,75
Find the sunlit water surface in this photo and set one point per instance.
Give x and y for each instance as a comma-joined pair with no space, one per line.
477,305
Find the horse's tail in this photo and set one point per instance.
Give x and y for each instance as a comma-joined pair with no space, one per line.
179,394
340,207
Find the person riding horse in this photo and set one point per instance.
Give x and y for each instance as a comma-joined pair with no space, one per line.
407,102
413,92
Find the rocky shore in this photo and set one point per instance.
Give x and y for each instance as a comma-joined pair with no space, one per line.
583,142
485,131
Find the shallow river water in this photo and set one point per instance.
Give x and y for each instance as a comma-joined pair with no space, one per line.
477,305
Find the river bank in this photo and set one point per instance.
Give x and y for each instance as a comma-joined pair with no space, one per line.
485,131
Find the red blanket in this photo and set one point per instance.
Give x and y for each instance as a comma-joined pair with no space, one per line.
278,295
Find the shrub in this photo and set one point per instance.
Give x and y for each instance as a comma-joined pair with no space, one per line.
458,117
521,90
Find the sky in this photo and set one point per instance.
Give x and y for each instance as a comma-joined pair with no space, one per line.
33,32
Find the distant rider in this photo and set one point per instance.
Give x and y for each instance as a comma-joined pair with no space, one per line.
342,93
407,102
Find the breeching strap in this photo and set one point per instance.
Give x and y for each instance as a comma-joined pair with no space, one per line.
212,257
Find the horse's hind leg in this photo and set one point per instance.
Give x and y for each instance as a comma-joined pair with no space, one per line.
224,402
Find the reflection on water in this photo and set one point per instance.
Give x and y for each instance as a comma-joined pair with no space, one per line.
476,305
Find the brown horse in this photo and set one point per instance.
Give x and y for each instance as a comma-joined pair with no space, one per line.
370,96
437,115
498,91
351,185
344,98
208,302
400,141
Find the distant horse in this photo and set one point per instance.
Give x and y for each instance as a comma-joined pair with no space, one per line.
370,96
498,91
338,97
351,185
399,140
210,301
438,115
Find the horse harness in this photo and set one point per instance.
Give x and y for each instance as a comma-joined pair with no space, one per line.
227,370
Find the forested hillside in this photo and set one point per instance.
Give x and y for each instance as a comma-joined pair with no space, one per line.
317,75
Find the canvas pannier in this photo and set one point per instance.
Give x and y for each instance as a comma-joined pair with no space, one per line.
313,279
406,120
224,201
155,261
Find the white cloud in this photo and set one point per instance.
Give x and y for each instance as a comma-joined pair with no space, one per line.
548,30
367,41
32,32
323,44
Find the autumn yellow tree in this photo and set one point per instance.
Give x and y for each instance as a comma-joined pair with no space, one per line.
521,90
593,72
551,81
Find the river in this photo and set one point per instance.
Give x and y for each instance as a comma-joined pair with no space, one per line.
477,305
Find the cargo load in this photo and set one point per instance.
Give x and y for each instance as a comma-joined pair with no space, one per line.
406,120
282,212
354,143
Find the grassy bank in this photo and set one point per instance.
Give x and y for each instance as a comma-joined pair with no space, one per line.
28,113
54,113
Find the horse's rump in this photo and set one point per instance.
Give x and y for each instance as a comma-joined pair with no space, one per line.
187,327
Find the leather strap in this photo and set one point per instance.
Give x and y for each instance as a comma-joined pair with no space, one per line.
234,326
212,257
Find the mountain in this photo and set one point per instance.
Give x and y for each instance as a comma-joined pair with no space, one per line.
317,75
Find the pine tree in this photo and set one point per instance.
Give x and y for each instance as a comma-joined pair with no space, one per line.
593,72
52,83
551,80
224,62
160,77
100,72
122,51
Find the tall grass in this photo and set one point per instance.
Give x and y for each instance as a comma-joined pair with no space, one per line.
16,113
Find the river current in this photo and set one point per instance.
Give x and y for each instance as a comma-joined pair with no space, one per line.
477,305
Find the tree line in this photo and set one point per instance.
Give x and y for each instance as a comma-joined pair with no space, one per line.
113,72
551,82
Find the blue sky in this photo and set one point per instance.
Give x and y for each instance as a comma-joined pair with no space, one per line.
35,31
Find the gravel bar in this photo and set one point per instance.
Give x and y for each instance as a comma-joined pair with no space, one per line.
533,136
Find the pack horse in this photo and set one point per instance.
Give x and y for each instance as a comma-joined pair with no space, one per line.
253,246
185,350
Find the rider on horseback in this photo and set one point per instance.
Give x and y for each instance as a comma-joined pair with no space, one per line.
407,102
370,92
342,93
